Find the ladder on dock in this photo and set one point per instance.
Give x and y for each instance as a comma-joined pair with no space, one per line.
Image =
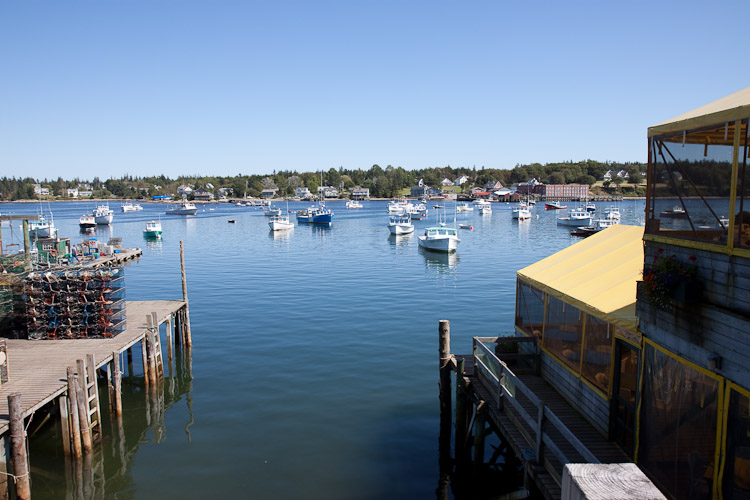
87,377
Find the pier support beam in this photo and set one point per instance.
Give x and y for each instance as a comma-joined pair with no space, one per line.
117,383
18,447
186,326
444,439
75,426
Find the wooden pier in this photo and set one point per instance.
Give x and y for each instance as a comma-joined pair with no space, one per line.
61,377
37,367
544,431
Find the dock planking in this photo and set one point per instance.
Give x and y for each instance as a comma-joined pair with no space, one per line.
37,368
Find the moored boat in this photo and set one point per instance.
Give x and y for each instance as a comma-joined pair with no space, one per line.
440,239
554,205
674,212
400,224
353,204
464,206
42,228
87,222
153,229
280,223
131,207
184,208
578,217
103,215
521,212
315,215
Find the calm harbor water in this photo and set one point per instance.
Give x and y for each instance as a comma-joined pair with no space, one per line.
314,357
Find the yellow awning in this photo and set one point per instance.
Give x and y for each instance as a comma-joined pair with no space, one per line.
727,109
597,275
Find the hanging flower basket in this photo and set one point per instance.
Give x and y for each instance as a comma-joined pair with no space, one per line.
669,279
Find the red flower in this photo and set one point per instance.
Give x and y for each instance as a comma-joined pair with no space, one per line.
693,257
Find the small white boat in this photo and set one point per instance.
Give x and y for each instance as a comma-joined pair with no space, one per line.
399,207
418,212
42,228
521,212
440,239
612,213
280,223
464,207
103,214
131,207
400,224
578,217
87,222
184,208
353,204
153,229
484,208
674,212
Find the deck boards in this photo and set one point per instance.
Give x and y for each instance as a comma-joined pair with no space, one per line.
37,368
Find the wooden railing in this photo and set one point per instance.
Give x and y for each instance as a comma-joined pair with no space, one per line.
536,425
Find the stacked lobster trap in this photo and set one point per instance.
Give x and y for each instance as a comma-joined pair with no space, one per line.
75,304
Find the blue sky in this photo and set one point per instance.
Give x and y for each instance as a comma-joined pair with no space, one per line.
228,87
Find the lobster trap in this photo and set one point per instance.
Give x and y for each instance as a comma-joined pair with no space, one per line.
75,303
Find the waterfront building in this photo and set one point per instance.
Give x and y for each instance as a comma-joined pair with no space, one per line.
360,193
643,331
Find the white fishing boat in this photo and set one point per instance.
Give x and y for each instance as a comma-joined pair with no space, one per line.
400,224
353,204
399,207
87,222
269,210
440,239
578,217
131,207
612,213
153,229
184,208
42,228
103,215
418,212
521,212
484,207
464,206
280,223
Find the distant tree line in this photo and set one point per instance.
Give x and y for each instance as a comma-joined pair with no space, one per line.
382,182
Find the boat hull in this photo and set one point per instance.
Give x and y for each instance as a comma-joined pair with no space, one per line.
276,225
103,219
325,219
401,229
567,221
151,234
445,245
182,211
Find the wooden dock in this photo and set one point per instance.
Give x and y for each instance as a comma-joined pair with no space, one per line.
544,431
37,368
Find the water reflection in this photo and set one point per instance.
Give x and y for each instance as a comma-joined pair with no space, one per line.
440,261
400,240
154,244
280,236
107,472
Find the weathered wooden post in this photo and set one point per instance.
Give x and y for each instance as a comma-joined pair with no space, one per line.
462,404
117,383
144,355
130,361
188,336
75,426
18,446
83,414
444,439
169,343
26,246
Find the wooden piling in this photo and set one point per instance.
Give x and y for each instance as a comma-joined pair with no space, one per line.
130,361
26,246
462,406
18,447
96,423
117,383
169,344
75,426
188,336
444,438
62,406
144,355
